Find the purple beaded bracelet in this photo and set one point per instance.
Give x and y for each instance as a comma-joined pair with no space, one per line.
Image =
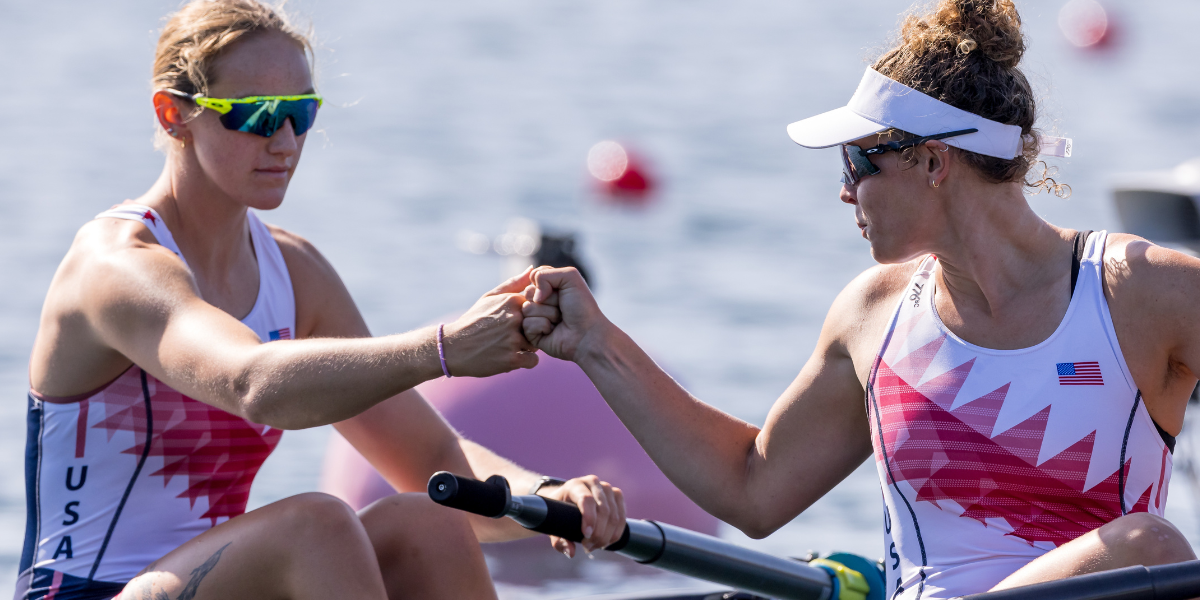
442,352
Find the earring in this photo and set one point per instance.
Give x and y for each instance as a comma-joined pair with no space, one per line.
946,149
934,183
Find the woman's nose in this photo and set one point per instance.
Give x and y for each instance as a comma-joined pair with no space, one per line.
847,194
284,138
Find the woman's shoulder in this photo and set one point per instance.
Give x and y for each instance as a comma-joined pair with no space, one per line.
1151,290
101,245
1134,265
303,259
879,285
868,301
323,304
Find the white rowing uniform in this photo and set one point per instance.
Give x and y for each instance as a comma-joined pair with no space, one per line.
120,476
991,458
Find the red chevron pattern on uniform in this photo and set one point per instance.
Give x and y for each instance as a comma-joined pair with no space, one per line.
952,455
219,453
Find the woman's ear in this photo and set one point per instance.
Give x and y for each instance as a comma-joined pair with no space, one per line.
937,162
166,108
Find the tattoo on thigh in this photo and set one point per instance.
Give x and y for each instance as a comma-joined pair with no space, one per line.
198,574
145,591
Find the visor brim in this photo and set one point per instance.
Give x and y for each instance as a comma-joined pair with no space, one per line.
832,128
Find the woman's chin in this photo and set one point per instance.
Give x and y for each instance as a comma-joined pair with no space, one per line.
266,201
884,254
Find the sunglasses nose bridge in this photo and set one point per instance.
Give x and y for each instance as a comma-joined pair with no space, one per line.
849,177
266,117
279,124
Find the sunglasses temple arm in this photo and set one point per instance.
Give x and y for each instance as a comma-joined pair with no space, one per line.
940,136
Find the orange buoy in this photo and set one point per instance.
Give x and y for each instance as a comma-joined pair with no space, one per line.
621,175
1086,24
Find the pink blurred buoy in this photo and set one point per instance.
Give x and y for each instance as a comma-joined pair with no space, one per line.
1087,25
621,175
550,419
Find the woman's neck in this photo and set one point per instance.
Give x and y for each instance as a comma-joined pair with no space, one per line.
997,254
209,226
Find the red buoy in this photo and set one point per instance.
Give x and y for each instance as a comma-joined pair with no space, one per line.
1086,24
621,175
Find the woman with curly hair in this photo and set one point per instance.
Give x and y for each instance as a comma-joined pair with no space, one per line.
1018,384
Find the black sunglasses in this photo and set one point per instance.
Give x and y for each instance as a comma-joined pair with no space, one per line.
856,165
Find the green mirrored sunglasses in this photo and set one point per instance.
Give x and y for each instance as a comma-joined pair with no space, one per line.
260,115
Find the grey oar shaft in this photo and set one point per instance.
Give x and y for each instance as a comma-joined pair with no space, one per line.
1178,581
704,557
664,546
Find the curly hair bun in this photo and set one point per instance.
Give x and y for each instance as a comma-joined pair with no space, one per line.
992,26
965,53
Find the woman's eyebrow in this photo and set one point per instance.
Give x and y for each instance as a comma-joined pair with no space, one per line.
309,91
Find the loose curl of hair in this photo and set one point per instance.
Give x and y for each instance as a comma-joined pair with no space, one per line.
199,32
966,54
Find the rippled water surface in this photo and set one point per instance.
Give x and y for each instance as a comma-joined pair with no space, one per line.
445,116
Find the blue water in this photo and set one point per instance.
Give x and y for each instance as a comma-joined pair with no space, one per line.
445,116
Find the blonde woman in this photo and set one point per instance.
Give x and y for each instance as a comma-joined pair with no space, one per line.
181,335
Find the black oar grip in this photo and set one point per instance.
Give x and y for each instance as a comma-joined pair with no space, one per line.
621,543
473,496
563,520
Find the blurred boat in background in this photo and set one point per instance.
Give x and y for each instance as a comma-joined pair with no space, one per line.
1161,206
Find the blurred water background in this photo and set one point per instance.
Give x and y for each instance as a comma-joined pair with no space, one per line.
445,116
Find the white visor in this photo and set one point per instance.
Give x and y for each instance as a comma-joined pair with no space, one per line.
881,103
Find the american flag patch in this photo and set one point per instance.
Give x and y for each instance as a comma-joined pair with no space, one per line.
1079,373
286,334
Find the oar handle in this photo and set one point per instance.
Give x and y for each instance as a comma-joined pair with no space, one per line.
664,546
492,498
484,498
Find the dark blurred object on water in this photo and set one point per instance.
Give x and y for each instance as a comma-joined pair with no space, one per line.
559,251
525,243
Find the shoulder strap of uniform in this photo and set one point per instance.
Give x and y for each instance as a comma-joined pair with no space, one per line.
1077,255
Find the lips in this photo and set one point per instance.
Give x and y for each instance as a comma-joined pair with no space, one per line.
274,173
